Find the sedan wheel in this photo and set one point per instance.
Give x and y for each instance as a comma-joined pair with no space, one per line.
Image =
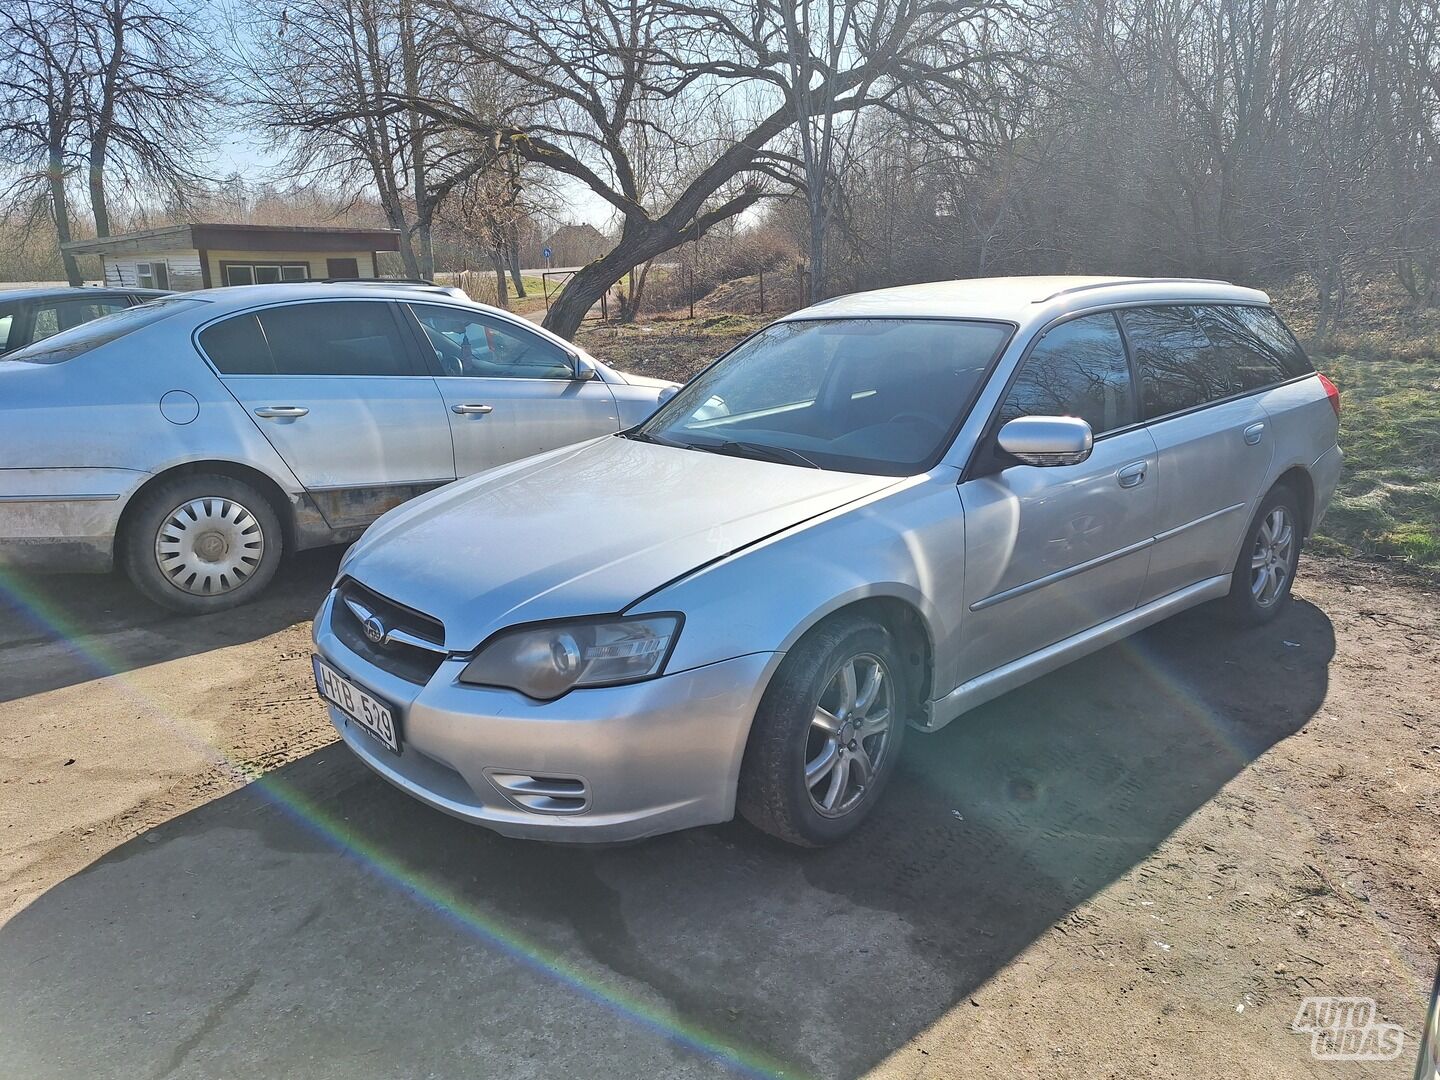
1265,570
1271,560
209,546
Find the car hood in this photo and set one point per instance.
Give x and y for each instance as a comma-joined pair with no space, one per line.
647,381
584,530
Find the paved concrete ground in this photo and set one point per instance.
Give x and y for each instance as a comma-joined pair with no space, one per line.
1135,866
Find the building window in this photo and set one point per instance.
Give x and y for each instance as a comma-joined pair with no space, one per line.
152,275
264,273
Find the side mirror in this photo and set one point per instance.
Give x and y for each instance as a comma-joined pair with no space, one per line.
1047,440
666,393
582,370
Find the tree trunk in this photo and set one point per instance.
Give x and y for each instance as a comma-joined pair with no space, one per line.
60,207
513,251
99,151
497,263
590,282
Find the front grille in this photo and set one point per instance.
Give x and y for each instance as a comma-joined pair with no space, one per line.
413,662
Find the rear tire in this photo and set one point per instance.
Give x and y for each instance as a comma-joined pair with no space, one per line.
827,734
201,543
1265,571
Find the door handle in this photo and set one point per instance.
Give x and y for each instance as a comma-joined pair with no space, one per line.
1132,475
465,409
273,412
1254,433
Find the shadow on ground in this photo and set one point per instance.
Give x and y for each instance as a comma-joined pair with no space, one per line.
104,626
320,924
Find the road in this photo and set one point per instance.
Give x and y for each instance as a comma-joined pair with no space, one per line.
1136,866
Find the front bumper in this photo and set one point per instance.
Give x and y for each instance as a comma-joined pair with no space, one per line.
653,756
62,520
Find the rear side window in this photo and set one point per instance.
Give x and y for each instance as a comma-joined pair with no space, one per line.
1178,368
237,347
1077,369
327,338
1255,344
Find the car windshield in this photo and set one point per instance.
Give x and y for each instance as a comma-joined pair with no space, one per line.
69,344
881,396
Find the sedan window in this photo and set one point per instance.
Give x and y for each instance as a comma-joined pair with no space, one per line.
345,337
474,345
882,396
1077,369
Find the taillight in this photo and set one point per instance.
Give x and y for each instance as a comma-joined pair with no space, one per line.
1333,393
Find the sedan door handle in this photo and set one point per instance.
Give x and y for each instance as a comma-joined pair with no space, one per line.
1132,475
464,409
1254,433
272,412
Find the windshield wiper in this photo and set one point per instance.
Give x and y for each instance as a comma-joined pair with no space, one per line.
645,436
760,451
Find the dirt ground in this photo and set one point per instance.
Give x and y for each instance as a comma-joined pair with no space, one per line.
1136,866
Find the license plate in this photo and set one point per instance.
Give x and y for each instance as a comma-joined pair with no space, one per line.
365,709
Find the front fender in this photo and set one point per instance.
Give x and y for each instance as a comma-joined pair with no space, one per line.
906,543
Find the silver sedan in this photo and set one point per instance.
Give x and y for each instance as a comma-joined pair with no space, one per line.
875,514
194,439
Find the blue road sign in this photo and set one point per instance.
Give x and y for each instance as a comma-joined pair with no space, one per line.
546,253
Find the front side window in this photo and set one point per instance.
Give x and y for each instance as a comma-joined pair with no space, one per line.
468,344
1178,368
344,337
152,275
1077,369
880,396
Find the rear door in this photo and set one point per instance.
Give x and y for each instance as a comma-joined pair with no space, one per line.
1053,551
1213,441
508,393
337,388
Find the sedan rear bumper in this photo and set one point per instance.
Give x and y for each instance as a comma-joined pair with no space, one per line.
603,764
62,520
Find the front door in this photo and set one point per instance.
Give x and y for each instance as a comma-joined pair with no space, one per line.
509,393
1052,551
336,387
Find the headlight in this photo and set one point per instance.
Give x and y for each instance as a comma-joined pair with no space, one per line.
545,662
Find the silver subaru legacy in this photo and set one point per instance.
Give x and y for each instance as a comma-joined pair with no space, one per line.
194,439
876,513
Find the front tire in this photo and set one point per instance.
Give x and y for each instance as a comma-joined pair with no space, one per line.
202,543
827,734
1265,570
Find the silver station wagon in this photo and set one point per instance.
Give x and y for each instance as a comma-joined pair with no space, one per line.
194,439
876,513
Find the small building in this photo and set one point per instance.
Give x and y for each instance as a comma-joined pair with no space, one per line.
576,245
199,256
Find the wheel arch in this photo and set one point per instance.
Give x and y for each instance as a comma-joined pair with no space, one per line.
280,501
1297,479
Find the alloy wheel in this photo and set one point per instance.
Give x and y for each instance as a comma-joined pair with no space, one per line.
849,735
1272,560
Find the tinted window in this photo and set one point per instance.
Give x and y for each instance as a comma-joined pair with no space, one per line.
1077,369
7,324
69,344
470,344
1257,347
51,318
348,337
880,396
1178,368
237,347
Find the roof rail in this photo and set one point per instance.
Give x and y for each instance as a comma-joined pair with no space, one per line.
1132,281
379,281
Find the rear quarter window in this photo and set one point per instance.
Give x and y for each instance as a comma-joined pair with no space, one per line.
1178,368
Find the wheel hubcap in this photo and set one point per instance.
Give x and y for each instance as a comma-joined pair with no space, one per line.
209,546
849,735
1272,561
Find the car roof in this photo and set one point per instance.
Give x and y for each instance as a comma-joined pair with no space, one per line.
245,296
60,292
1023,300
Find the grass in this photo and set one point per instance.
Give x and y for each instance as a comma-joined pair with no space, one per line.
1388,501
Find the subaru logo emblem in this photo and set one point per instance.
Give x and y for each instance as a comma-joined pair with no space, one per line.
374,630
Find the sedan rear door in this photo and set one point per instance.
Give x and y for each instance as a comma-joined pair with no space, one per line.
337,388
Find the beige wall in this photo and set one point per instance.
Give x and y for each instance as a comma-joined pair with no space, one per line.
316,261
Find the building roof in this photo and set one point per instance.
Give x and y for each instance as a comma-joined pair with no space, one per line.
208,235
1023,300
73,292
